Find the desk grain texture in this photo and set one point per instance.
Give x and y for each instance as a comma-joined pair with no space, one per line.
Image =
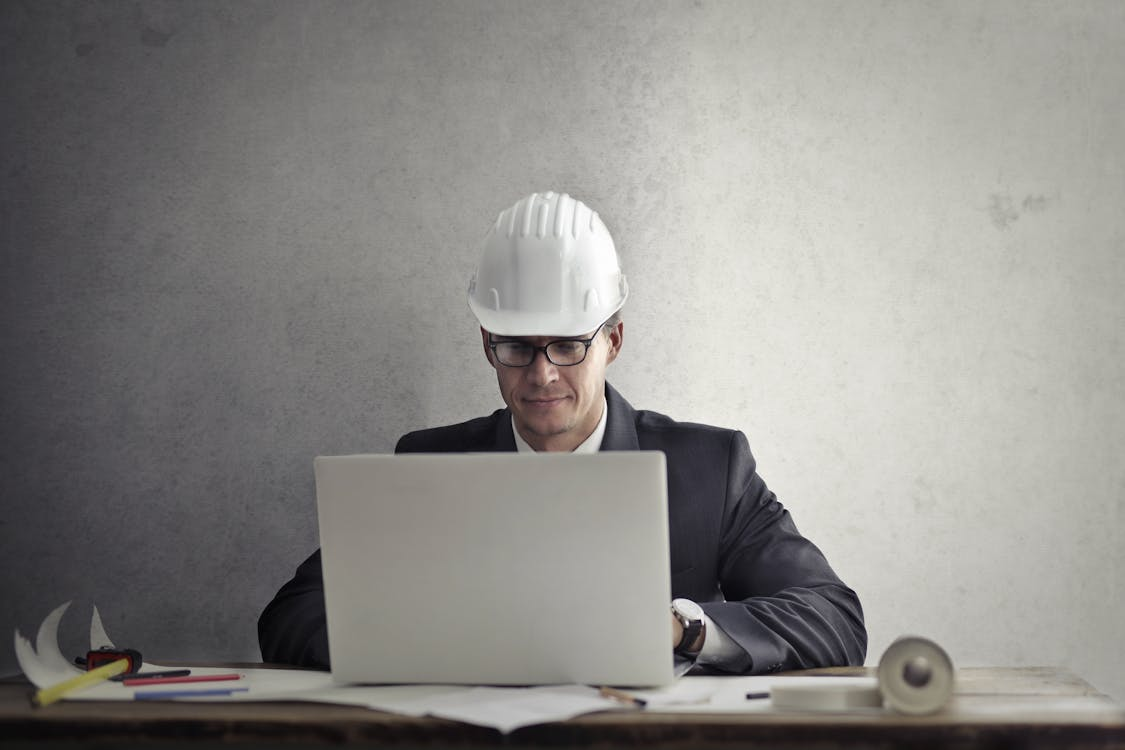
992,708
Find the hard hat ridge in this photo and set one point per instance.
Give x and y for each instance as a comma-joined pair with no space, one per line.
549,267
538,210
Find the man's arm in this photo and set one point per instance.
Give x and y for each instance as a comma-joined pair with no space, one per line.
785,607
293,629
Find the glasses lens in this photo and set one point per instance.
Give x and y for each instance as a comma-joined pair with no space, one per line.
566,352
513,353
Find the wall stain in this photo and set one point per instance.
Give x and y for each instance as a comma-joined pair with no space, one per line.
83,50
1004,211
1001,210
151,37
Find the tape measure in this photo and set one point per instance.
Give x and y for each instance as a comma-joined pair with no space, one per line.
107,655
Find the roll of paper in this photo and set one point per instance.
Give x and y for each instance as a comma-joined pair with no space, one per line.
915,676
790,697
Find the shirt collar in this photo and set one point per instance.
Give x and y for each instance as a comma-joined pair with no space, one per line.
592,444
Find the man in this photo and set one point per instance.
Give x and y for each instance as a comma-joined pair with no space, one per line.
752,594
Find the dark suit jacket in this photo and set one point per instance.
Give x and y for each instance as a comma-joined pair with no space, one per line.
734,549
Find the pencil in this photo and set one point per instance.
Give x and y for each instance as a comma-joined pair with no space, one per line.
161,695
49,695
151,675
622,697
144,681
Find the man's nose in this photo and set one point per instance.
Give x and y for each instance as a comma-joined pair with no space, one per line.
541,371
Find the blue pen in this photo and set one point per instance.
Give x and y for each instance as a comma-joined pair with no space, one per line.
158,695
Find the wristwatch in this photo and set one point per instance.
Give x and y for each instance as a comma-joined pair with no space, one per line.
690,616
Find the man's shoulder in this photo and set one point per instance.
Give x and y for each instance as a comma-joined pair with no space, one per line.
477,434
655,425
693,444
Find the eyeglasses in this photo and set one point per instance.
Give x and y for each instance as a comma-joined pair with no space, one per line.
561,353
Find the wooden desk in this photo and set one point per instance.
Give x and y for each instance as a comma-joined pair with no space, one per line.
992,707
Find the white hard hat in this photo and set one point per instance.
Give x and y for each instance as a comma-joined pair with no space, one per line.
549,268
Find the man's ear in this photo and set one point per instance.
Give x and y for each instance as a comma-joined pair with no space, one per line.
616,337
484,344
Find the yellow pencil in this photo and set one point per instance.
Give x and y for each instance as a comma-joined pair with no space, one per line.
51,694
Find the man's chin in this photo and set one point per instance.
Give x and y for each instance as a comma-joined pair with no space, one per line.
546,428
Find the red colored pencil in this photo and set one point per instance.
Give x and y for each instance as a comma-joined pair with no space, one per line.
142,681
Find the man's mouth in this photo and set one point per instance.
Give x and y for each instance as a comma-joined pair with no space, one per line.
544,402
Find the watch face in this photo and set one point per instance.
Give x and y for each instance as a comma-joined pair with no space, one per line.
688,609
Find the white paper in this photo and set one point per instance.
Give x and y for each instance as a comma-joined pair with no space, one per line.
45,665
408,700
39,675
727,694
504,709
507,709
98,637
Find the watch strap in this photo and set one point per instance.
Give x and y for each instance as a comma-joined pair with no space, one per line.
692,629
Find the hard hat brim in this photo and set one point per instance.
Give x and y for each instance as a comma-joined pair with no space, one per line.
508,323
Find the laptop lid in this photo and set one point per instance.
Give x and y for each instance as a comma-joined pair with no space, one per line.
496,569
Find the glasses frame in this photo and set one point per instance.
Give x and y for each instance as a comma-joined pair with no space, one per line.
535,350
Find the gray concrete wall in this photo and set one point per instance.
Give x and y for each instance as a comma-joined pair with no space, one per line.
885,240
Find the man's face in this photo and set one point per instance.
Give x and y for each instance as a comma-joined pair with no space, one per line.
556,407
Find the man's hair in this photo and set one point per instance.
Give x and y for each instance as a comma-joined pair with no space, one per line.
612,321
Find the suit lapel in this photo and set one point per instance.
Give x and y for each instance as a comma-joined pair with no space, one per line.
504,440
620,426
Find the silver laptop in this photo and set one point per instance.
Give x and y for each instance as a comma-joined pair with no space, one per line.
497,568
